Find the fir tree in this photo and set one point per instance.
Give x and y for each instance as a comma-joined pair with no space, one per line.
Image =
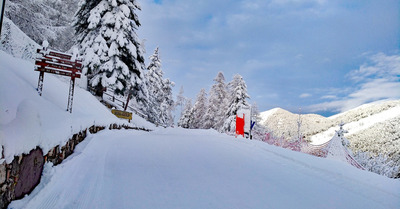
217,103
113,56
258,130
161,102
180,100
154,84
167,104
199,109
238,100
187,116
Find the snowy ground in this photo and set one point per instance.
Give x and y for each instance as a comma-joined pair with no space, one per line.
176,168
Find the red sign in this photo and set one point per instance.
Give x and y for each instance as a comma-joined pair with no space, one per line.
58,63
240,125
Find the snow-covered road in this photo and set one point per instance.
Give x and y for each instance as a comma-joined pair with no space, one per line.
176,168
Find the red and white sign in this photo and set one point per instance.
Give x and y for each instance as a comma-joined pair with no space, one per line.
243,121
58,63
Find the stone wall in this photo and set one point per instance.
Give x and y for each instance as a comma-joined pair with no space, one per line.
23,174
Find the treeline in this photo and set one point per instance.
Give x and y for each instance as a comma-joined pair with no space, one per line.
217,109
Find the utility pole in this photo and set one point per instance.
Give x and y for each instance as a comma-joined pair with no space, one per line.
3,6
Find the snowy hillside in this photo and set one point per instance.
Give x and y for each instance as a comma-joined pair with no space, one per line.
45,20
15,42
28,120
320,129
373,131
178,168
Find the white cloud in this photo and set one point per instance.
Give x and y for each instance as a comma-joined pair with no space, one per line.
329,97
305,95
379,80
383,67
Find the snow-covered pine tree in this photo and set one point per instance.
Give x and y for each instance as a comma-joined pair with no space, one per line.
238,100
187,116
167,104
154,85
259,130
217,103
113,55
180,100
199,109
161,102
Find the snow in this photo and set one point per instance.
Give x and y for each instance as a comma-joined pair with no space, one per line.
180,168
28,120
264,115
357,126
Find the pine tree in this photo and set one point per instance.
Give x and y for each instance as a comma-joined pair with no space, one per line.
199,109
180,100
217,103
113,56
161,102
154,84
187,116
168,104
258,130
238,100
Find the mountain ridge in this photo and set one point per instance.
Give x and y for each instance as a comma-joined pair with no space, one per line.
372,128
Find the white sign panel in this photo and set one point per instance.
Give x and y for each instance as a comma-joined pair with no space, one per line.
246,113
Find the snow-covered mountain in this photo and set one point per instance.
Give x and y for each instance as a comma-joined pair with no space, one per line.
45,19
317,128
372,128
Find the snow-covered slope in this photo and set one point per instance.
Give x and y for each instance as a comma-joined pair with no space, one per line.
28,120
284,123
45,19
178,168
15,42
320,129
372,128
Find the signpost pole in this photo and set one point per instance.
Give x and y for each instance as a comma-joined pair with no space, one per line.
40,83
71,94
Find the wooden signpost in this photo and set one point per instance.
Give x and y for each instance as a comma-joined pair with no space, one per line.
49,61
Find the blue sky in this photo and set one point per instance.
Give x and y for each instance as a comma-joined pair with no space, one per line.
318,55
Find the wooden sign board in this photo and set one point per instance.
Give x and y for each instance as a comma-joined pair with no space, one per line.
122,114
49,61
58,63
